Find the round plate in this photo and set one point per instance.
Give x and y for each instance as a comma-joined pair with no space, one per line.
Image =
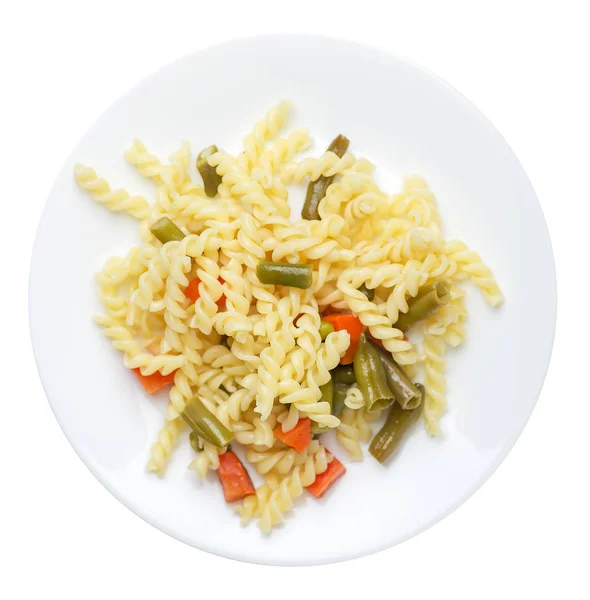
405,120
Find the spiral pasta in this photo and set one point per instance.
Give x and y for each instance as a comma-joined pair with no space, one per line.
115,200
435,402
266,129
251,363
276,496
353,430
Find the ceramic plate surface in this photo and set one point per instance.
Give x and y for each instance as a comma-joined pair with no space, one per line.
405,120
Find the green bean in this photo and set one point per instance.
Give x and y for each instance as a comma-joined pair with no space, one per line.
370,294
370,376
340,390
205,424
298,276
391,435
325,329
166,231
425,304
211,179
316,190
406,393
344,374
327,396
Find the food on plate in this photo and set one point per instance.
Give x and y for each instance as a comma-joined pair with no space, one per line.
268,329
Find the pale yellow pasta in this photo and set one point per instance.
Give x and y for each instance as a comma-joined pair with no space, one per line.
353,430
275,498
278,459
135,356
328,165
147,164
115,200
206,460
252,353
161,451
258,433
281,152
435,403
470,263
266,129
354,398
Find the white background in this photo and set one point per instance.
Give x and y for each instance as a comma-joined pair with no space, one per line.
525,64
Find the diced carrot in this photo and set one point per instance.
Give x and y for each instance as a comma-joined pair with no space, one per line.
351,324
299,437
155,382
234,478
191,291
324,481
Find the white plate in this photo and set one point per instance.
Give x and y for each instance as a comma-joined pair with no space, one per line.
404,119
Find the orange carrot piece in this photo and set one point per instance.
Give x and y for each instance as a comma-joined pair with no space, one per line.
234,478
191,291
324,481
155,382
354,327
299,437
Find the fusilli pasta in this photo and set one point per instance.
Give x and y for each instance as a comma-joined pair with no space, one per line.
188,308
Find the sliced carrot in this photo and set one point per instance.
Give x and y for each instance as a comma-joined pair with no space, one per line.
155,382
324,481
299,437
234,478
191,291
351,324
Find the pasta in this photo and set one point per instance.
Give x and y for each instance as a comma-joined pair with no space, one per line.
115,200
247,313
353,429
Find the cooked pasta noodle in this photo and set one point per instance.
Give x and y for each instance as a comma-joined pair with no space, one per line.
189,308
353,430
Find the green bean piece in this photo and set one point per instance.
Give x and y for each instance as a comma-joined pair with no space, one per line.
211,179
391,435
406,393
298,276
340,390
327,396
194,440
370,294
166,231
370,376
205,423
325,329
344,374
316,190
425,304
